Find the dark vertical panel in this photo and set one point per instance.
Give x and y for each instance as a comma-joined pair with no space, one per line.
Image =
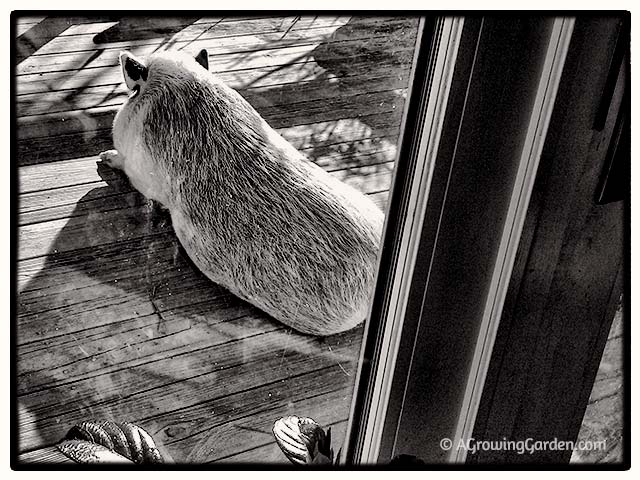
484,156
437,195
566,280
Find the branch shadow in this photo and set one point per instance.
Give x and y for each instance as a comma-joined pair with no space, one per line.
49,28
116,273
131,29
361,81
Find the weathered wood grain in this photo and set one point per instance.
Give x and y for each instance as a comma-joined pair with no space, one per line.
55,55
81,130
222,64
323,394
24,24
270,453
331,145
307,105
140,342
192,373
218,46
336,129
113,34
108,227
300,80
126,213
36,35
222,51
111,74
114,321
604,417
94,24
60,203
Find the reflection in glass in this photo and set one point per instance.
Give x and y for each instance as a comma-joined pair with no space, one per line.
114,320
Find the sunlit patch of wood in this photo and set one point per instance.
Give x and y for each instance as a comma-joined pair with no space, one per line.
114,322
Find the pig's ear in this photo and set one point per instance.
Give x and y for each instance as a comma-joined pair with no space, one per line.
134,71
203,59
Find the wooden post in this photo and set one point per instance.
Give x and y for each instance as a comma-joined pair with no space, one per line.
570,265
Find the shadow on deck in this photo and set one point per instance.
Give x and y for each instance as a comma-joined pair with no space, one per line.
114,322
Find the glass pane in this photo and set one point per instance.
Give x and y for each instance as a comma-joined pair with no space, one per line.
122,317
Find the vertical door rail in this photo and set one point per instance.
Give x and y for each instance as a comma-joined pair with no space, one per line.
477,119
433,79
523,186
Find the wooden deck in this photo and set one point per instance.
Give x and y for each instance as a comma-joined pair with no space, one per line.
114,322
604,418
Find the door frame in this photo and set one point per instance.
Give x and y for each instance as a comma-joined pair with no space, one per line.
409,353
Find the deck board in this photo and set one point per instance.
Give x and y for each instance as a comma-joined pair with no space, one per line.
114,321
384,78
300,112
232,39
82,37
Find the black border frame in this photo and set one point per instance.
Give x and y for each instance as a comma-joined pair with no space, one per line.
384,266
